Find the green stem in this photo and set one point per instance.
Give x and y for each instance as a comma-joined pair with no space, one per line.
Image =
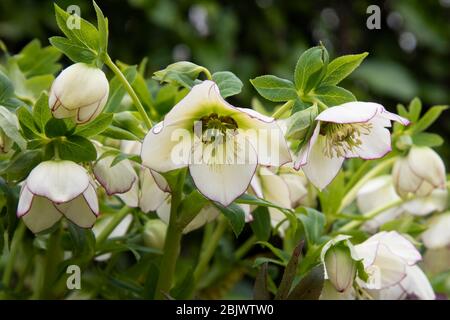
351,194
130,90
283,109
207,73
245,247
370,215
117,217
211,246
18,235
172,243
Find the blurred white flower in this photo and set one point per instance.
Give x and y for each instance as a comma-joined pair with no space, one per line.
155,233
221,144
390,261
55,189
79,92
438,233
353,129
419,173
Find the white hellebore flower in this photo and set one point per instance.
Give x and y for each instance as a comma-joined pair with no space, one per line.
55,189
350,130
115,179
421,173
438,233
79,92
221,144
390,261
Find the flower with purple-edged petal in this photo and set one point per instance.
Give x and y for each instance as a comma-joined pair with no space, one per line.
386,258
115,179
350,130
79,92
54,189
221,144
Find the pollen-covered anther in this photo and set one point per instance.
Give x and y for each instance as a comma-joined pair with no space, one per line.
342,138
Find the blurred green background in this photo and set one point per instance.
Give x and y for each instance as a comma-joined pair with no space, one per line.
409,55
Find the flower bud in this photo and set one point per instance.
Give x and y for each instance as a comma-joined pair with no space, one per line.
79,92
340,267
155,234
421,172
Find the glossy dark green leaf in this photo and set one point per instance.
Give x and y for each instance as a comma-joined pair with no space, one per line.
77,149
100,124
235,215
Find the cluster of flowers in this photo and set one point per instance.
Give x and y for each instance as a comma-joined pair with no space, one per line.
232,154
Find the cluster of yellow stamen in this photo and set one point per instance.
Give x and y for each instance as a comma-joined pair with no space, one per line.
343,137
216,128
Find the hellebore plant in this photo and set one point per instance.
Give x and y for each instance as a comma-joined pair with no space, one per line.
157,187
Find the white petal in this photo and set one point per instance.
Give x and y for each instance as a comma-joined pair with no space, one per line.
166,148
350,112
438,233
89,112
131,198
131,147
303,155
421,206
60,112
151,195
163,211
376,144
160,181
405,180
398,245
41,215
223,172
82,210
320,169
256,188
427,164
296,183
394,117
116,179
59,181
25,200
206,215
416,283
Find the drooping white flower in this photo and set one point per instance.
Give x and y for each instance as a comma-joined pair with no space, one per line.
353,129
221,144
115,179
385,256
375,194
79,92
55,189
420,173
438,233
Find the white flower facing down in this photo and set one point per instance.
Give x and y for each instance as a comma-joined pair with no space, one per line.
55,189
438,233
353,129
419,173
79,92
221,144
115,179
390,261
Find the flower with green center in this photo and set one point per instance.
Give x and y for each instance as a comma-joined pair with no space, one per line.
221,144
353,129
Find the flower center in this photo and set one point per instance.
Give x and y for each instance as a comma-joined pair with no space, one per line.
343,137
217,128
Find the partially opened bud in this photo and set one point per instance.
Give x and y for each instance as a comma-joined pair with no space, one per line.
341,268
79,92
155,234
421,172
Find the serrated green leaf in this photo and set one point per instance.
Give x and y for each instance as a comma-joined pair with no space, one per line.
228,83
100,124
73,50
341,67
102,26
235,215
77,149
333,95
274,89
314,224
41,112
10,126
428,118
309,68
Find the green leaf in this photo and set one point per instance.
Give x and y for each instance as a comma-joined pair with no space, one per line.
289,273
27,123
6,88
280,254
182,73
427,139
300,105
21,165
299,123
85,34
261,225
341,67
82,241
310,287
235,215
41,112
260,289
428,118
333,95
119,133
309,68
190,207
274,89
102,26
129,121
314,224
253,200
10,126
55,128
77,149
415,108
100,124
401,110
124,156
228,83
73,50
